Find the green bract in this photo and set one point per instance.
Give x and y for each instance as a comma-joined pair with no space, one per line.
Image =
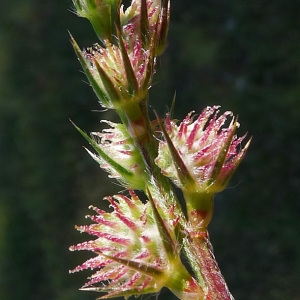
117,154
131,255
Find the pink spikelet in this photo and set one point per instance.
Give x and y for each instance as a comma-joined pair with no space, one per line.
130,255
209,151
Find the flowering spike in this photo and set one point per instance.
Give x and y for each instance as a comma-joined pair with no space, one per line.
122,68
206,148
138,245
200,157
133,260
119,75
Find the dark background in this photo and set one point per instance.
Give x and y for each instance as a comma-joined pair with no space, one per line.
244,56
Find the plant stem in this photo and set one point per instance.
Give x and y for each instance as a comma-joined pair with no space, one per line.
199,249
213,279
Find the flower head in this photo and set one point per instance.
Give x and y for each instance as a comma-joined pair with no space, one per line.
120,70
201,154
119,76
122,76
131,255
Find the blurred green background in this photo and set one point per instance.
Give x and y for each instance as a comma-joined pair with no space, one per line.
244,56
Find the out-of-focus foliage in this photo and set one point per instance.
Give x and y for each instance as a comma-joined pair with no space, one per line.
243,56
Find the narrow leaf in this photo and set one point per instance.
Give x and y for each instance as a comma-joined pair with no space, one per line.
97,89
130,74
134,265
182,171
120,169
150,64
164,19
166,237
144,25
108,84
222,155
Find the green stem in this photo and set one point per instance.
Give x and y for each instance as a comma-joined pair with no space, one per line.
199,208
135,116
198,250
